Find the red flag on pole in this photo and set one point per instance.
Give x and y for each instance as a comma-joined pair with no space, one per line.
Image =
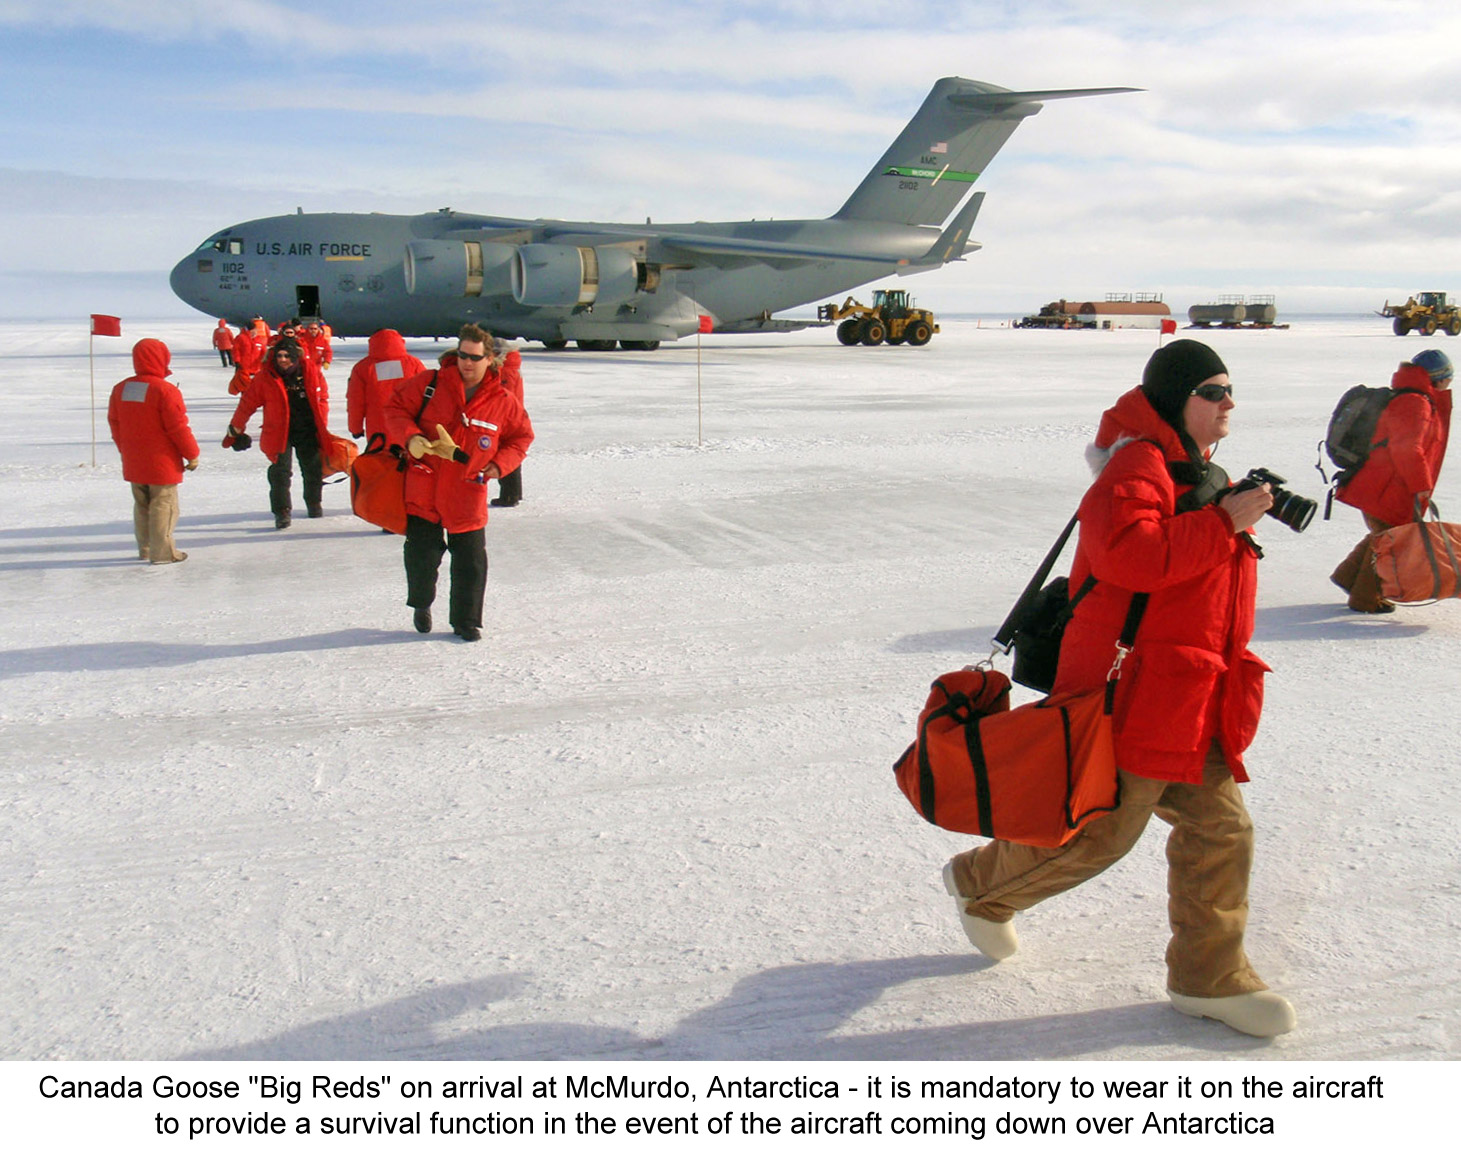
105,326
706,324
1169,326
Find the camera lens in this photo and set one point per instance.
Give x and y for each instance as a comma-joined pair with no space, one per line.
1294,511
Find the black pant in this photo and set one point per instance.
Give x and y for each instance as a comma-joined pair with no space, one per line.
281,475
510,487
423,550
226,357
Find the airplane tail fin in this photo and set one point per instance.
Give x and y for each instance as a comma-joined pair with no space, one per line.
927,171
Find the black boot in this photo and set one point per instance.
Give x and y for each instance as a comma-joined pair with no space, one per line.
422,620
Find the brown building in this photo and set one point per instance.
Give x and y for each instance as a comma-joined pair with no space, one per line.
1117,311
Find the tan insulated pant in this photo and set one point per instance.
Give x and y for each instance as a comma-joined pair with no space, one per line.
1209,855
1356,573
154,516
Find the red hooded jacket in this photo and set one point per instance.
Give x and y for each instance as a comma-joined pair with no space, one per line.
247,356
319,345
374,379
267,391
223,336
1409,449
149,420
1189,677
491,427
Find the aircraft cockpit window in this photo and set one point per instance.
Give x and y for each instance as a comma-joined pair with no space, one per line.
235,246
229,245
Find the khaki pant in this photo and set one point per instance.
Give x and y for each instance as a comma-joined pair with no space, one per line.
1209,855
1356,573
154,516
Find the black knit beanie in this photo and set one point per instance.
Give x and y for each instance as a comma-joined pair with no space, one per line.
1173,372
1168,380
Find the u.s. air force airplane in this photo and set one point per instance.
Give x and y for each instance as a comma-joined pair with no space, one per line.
556,281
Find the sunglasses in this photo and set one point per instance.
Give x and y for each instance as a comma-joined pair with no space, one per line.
1214,393
471,356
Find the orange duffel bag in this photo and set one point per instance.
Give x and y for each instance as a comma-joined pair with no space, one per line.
1033,775
337,454
378,486
1417,561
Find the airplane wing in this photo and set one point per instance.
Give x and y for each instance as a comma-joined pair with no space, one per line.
730,246
713,247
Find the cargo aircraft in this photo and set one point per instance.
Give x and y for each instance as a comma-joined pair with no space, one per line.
635,285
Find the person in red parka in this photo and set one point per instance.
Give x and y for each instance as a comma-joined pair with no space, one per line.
1409,447
460,427
295,332
1160,520
374,379
319,344
223,342
149,423
510,485
296,403
248,356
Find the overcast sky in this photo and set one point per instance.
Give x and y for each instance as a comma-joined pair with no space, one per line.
1305,149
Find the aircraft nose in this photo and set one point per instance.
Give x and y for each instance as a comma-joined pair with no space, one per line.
186,283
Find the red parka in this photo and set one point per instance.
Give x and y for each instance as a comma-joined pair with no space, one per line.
247,356
374,379
491,427
1189,677
1409,449
223,336
149,420
319,345
267,391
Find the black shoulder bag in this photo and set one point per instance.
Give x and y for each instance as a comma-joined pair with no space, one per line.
1037,621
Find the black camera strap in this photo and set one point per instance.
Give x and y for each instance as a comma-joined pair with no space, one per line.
1213,482
1007,631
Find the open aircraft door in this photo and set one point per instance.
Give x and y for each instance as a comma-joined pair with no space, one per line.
307,301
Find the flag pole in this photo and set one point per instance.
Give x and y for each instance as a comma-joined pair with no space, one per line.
704,324
91,360
106,326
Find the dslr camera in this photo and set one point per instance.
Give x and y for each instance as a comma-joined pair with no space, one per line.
1294,511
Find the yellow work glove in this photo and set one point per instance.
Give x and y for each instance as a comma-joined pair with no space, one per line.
443,446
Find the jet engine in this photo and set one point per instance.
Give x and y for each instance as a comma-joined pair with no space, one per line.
564,275
455,268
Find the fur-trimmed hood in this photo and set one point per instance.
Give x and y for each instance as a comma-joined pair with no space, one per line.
1132,418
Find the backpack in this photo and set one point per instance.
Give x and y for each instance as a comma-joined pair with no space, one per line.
1351,433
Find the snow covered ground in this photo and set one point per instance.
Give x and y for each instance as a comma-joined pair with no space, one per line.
249,813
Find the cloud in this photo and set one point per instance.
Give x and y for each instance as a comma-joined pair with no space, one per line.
1313,142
